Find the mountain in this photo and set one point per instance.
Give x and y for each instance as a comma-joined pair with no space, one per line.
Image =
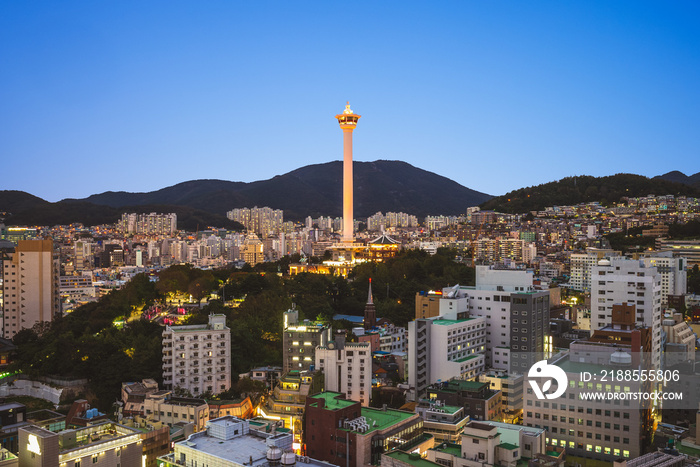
314,190
582,189
680,177
16,201
42,212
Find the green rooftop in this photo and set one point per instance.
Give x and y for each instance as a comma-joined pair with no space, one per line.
449,322
451,409
452,449
332,400
379,419
414,460
693,452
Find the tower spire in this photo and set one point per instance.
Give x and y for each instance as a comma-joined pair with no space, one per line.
370,311
369,294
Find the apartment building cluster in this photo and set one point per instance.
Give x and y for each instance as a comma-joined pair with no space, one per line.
148,224
392,220
261,221
499,323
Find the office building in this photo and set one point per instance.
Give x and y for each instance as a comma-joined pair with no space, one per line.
300,339
198,357
102,444
585,425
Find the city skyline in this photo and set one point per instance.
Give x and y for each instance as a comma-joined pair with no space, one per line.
98,98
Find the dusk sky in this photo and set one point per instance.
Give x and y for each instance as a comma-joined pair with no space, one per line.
496,95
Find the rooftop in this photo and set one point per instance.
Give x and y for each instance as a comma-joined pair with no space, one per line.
449,322
332,400
459,385
379,419
577,367
414,460
449,448
468,357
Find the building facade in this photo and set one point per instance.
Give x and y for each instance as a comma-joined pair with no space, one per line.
198,357
347,368
300,340
30,284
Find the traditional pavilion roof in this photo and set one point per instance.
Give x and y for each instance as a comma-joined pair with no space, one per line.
383,240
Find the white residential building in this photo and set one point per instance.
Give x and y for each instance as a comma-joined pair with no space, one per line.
444,348
347,368
198,357
582,264
29,285
623,280
674,277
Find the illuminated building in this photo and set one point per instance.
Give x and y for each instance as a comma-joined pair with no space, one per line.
300,339
347,121
253,250
382,248
287,401
102,444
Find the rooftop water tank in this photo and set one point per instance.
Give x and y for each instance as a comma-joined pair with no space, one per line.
620,358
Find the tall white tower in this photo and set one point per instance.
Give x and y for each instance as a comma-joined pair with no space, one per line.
348,122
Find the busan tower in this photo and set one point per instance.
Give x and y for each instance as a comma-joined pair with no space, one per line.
348,122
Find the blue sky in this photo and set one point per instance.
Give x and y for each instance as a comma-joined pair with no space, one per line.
137,96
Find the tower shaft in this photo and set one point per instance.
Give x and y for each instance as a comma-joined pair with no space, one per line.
348,121
348,214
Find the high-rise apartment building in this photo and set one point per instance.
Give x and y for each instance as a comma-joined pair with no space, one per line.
263,221
198,357
149,224
30,284
623,280
443,348
582,264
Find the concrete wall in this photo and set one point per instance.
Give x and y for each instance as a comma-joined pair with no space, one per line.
36,389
